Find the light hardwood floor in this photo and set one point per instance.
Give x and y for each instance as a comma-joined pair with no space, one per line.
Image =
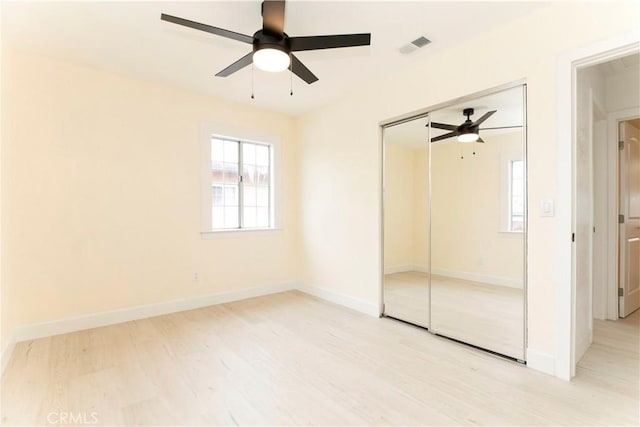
481,314
293,359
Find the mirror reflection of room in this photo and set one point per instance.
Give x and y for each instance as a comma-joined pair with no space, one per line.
455,222
406,258
478,221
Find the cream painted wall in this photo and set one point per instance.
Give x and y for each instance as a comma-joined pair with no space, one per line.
469,228
343,248
101,186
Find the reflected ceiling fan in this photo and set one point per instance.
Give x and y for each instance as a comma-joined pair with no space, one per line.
468,131
272,47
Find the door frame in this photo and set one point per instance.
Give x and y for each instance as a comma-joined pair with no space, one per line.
564,267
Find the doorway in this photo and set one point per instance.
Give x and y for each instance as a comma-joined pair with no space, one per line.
606,248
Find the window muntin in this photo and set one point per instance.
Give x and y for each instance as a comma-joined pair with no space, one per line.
241,185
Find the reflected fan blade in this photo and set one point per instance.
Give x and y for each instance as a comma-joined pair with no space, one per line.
207,28
443,126
273,16
329,42
502,127
238,65
445,136
301,71
483,118
480,140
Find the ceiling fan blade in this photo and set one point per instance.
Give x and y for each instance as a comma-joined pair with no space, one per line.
502,127
483,118
329,42
445,136
207,28
301,71
480,140
443,126
236,66
273,16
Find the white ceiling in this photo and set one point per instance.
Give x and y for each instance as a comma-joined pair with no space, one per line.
130,38
620,65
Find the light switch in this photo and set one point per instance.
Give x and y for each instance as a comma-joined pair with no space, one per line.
546,207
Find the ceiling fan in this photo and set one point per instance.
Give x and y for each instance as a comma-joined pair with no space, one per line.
468,131
272,47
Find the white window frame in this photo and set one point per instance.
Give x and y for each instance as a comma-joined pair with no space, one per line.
210,131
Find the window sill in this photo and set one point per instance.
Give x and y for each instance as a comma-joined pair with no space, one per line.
240,232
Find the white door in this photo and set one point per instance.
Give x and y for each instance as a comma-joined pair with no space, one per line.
629,260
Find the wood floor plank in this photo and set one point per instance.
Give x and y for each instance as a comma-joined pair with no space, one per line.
291,359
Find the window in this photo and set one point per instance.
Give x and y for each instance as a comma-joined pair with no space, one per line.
241,185
516,195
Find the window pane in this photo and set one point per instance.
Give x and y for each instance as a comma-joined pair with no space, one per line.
231,195
248,153
217,218
262,196
217,198
262,155
231,219
249,195
262,219
262,175
231,151
517,169
249,174
516,198
249,217
230,173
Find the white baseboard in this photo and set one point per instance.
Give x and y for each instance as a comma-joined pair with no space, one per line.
73,324
541,361
353,303
6,354
477,277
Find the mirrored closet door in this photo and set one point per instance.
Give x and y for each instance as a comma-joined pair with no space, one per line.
405,212
455,221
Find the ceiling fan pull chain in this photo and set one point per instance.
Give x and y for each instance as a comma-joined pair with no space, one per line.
291,74
461,151
474,148
252,81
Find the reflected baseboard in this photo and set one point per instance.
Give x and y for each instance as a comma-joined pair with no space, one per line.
463,275
405,268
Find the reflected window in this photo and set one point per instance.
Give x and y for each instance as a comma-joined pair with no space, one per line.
516,195
241,185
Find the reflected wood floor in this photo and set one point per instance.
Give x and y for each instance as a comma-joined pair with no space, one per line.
291,359
481,314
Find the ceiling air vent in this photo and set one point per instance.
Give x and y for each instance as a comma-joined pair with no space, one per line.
416,44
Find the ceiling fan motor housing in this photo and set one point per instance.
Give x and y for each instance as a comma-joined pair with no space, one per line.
263,40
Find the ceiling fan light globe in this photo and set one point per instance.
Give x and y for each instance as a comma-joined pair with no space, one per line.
272,60
468,137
